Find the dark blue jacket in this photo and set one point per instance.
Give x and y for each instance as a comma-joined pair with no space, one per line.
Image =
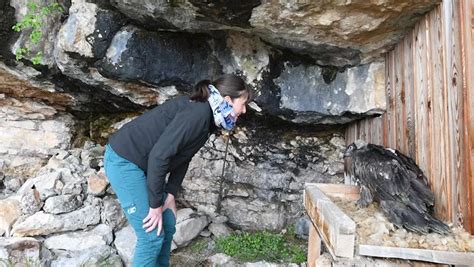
164,140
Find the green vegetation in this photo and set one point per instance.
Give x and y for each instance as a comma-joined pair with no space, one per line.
199,246
261,246
34,20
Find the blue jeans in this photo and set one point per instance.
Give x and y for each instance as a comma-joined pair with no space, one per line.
129,183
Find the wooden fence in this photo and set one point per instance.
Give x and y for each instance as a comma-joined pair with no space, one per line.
430,103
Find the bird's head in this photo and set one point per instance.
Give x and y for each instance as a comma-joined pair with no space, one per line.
358,144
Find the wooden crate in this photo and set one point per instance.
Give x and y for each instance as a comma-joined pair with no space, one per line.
338,231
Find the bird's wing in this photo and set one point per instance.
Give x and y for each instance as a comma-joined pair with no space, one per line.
381,174
418,195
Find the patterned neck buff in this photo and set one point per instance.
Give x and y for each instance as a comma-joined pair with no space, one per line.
222,111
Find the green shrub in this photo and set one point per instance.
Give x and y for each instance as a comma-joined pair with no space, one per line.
260,246
34,20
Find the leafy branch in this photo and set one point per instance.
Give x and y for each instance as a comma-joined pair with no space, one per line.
33,20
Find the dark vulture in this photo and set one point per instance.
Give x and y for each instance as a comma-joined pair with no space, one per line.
397,184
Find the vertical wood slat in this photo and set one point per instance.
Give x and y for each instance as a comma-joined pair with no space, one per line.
398,101
430,105
468,96
422,126
439,131
409,98
390,141
453,63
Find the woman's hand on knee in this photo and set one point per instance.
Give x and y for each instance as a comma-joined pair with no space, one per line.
153,219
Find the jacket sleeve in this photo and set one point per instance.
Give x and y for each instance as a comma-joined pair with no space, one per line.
176,178
181,131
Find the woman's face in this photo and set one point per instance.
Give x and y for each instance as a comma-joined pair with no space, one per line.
238,104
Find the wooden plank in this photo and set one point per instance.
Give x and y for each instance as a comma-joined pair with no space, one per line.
377,130
409,96
397,98
422,155
446,257
389,124
349,192
468,96
335,228
427,74
314,246
439,131
455,112
393,112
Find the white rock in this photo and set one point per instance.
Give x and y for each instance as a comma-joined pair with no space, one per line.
45,184
95,256
125,241
62,204
219,259
98,236
31,202
183,214
189,229
219,229
43,224
97,184
112,213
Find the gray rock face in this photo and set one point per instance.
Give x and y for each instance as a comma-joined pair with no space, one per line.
335,33
256,214
30,132
145,68
304,92
264,177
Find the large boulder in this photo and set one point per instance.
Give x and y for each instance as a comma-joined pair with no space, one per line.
42,223
161,58
80,240
337,33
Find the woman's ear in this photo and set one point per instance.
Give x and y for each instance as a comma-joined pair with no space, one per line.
228,99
